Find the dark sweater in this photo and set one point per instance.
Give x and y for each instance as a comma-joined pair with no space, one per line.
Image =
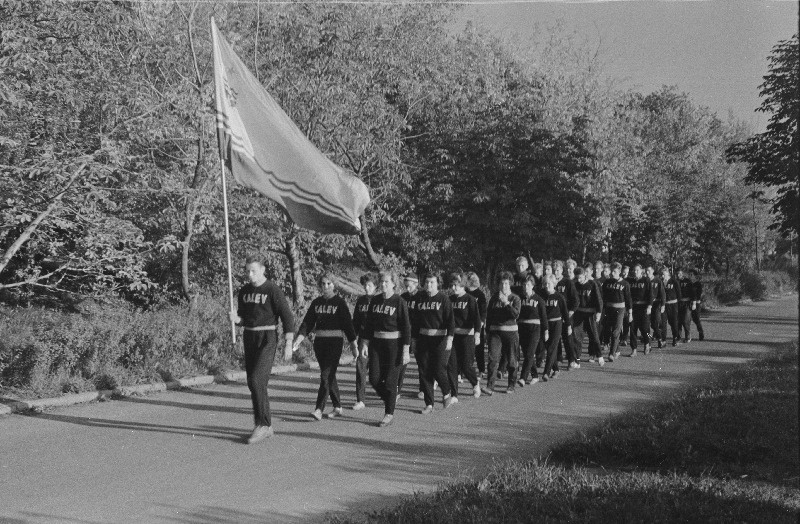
360,313
480,298
263,305
567,288
328,313
617,291
687,290
433,312
556,306
499,314
533,308
589,296
411,301
657,290
388,314
672,290
465,312
697,289
641,292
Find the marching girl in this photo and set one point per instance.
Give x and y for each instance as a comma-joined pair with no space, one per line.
466,335
386,341
329,318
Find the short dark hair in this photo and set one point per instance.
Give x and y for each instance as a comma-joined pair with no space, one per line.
368,277
532,279
434,276
473,279
456,278
616,265
505,275
637,265
254,259
578,271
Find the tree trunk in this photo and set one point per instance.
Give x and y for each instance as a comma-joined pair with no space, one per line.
293,255
13,248
366,245
191,199
191,212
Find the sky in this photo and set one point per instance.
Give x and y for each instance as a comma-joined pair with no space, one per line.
715,50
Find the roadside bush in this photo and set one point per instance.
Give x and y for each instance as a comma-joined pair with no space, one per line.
45,352
720,290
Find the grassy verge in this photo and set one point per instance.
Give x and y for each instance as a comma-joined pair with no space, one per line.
725,452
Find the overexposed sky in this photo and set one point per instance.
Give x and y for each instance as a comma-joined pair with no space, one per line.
716,50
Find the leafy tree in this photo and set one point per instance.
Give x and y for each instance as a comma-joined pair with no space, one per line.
772,157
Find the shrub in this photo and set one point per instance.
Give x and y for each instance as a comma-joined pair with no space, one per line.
753,285
45,352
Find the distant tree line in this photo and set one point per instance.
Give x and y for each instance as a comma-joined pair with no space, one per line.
474,151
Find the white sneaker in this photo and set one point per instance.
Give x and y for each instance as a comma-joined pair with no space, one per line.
435,385
534,380
447,400
337,412
427,410
397,399
574,365
476,391
450,401
521,383
317,414
386,420
421,395
460,379
259,434
358,406
601,361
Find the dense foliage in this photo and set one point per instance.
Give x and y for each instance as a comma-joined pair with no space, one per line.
772,157
473,152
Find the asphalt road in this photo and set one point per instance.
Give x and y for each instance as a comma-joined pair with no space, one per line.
180,456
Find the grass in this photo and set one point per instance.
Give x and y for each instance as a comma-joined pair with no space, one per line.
724,452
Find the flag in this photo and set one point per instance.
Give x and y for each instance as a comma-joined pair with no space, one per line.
266,151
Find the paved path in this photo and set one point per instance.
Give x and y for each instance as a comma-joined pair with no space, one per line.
179,456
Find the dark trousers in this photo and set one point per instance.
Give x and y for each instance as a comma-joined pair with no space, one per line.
640,324
685,318
529,335
626,328
361,378
432,359
480,352
671,316
462,360
551,347
540,352
502,345
385,361
259,354
328,351
657,322
612,327
401,377
420,367
696,319
583,323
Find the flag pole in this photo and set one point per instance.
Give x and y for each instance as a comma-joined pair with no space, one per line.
222,177
227,242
